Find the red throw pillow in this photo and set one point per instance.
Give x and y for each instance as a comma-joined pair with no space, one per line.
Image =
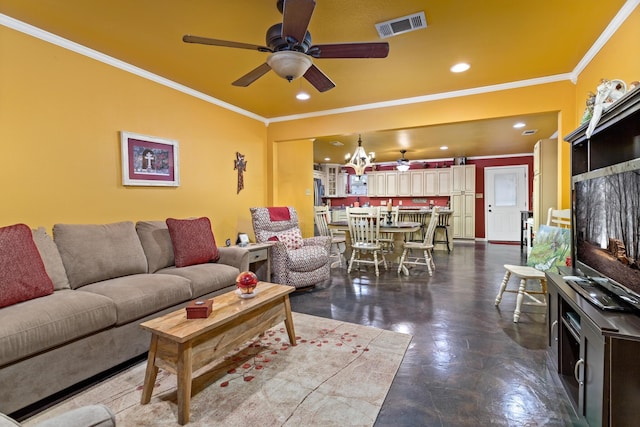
22,273
193,241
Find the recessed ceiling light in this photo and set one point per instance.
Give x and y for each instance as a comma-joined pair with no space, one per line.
459,68
303,96
444,147
326,159
519,125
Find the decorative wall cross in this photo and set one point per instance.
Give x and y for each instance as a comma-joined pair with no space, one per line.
240,164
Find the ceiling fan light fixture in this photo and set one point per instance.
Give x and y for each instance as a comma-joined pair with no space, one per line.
288,64
302,96
403,164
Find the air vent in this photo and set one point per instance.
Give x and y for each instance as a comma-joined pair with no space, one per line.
336,143
401,25
529,132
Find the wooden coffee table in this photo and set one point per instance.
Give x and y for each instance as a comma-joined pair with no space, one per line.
182,346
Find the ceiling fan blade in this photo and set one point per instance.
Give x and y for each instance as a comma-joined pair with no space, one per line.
252,75
215,42
350,50
318,79
296,15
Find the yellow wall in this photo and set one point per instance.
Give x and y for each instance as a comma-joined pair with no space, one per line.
60,117
294,184
556,97
618,59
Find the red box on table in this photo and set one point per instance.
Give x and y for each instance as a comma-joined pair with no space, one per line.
200,309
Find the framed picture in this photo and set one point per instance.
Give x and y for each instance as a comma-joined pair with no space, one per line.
148,160
243,239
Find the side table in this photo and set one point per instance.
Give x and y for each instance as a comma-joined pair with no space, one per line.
259,254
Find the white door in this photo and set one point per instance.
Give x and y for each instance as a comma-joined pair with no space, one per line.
506,194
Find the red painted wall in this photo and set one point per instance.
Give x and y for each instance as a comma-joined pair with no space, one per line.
502,161
442,201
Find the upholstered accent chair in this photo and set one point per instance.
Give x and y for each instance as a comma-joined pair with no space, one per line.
295,261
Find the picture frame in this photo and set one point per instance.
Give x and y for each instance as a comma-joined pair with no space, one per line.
243,239
460,161
149,160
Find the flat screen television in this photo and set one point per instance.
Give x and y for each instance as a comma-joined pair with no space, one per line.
606,223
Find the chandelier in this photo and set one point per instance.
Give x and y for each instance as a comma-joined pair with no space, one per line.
360,160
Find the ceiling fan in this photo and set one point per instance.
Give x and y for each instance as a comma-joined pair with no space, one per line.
291,51
403,164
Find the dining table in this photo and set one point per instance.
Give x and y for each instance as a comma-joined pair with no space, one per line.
398,228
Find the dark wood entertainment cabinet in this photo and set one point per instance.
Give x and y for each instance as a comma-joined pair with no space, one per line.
596,353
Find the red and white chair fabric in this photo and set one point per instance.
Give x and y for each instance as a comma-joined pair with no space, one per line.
295,261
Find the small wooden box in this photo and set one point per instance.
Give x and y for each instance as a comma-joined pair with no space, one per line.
200,309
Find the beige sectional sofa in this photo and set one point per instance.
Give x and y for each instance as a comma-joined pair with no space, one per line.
107,279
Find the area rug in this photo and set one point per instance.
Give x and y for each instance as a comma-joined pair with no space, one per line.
338,375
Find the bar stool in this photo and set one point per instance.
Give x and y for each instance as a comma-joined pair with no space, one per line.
444,219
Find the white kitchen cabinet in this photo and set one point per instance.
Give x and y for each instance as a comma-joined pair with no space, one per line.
404,184
444,182
417,183
437,182
430,183
372,184
341,184
463,195
391,179
331,187
336,181
381,184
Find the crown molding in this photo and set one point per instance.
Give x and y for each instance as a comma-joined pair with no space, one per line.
38,33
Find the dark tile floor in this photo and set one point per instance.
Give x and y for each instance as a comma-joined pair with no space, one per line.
468,363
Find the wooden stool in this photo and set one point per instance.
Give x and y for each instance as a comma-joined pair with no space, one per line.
524,273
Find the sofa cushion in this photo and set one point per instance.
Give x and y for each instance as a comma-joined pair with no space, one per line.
205,278
138,295
22,272
96,252
32,326
156,243
193,241
51,258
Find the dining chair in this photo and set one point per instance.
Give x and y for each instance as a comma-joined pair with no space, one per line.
386,239
550,248
338,240
364,230
555,218
559,217
426,248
